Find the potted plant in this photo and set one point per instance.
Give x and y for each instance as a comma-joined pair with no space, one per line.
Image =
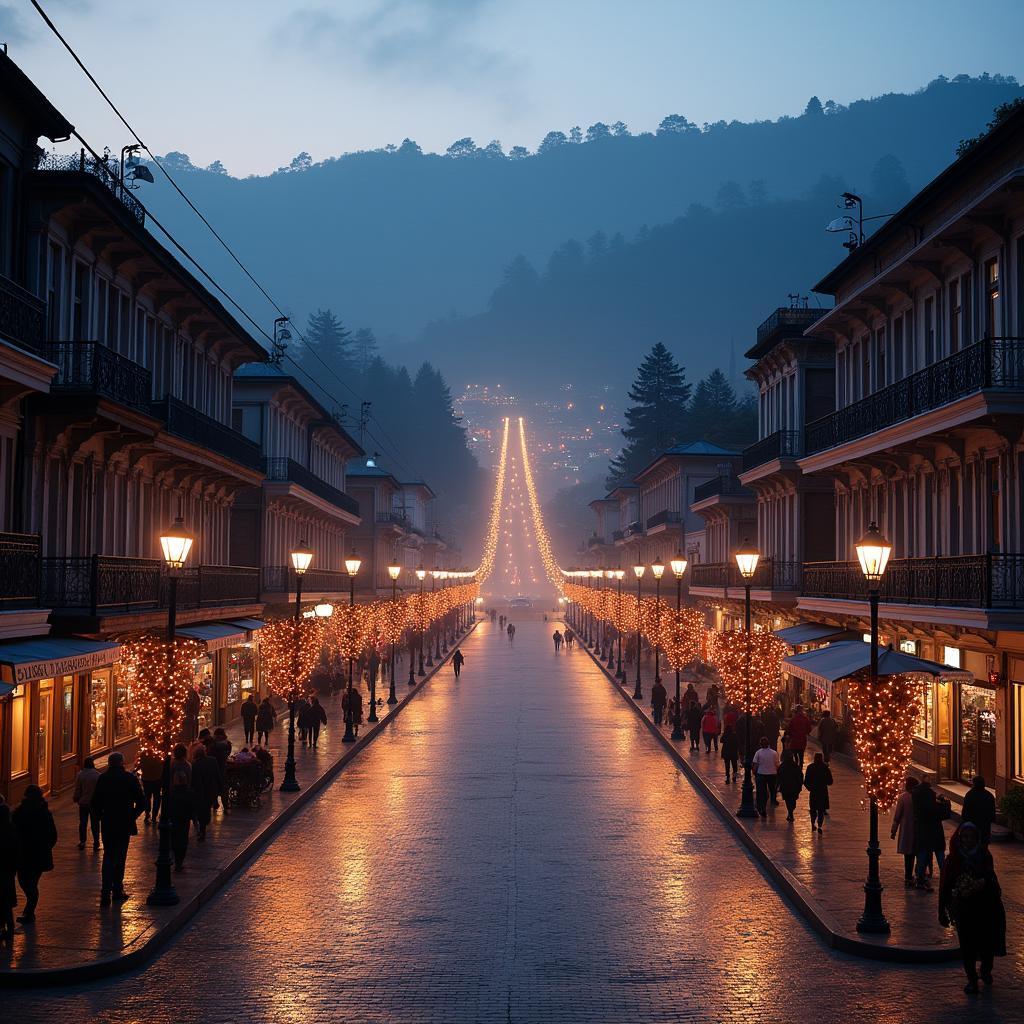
1011,803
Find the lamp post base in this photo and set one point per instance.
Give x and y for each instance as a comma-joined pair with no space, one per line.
747,808
638,693
350,736
392,699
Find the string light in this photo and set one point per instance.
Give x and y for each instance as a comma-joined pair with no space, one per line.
277,654
728,652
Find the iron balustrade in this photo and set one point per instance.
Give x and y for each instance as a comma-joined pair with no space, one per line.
618,535
294,472
190,424
771,574
783,444
280,579
959,581
89,367
990,363
102,170
719,485
397,517
710,574
20,568
634,529
798,319
207,585
22,316
664,518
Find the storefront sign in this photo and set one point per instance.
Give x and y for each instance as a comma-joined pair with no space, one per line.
28,671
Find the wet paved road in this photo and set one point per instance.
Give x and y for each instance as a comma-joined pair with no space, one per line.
514,848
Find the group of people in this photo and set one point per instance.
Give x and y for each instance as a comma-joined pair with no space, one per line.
560,638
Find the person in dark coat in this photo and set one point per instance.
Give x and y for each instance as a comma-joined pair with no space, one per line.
265,718
193,705
302,719
797,731
37,836
316,717
458,660
694,715
10,854
206,786
970,898
730,752
980,809
85,786
182,805
828,732
118,801
659,698
221,751
791,782
249,710
817,779
770,727
929,837
354,714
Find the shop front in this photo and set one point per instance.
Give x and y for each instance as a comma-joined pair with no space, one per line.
227,672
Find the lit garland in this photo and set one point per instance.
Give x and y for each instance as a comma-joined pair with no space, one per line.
727,651
551,567
681,635
486,566
277,655
158,700
884,715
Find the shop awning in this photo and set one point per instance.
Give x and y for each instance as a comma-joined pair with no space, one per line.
846,657
251,624
215,635
44,657
807,633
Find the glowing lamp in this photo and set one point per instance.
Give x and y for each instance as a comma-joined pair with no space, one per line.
873,551
352,564
658,569
639,570
747,558
620,574
301,558
394,571
421,573
324,611
176,543
678,565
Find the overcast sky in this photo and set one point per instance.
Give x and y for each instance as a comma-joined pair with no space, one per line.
254,83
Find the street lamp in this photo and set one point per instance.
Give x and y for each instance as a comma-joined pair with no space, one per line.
421,575
638,692
658,568
619,672
435,626
352,564
394,571
746,561
678,568
609,574
595,640
873,552
301,558
175,544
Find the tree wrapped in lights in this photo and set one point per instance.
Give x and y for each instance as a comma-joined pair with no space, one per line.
160,685
349,632
884,717
486,566
277,655
728,652
681,635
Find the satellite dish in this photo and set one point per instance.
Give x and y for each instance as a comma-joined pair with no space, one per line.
839,225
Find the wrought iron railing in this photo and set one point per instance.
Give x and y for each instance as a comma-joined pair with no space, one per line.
961,581
396,516
618,534
89,367
719,485
22,316
103,170
20,566
108,583
294,472
280,579
634,529
192,425
783,444
798,319
771,574
665,517
990,363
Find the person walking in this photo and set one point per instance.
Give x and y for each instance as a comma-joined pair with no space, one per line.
766,767
249,710
458,660
119,801
37,836
710,728
929,836
221,751
557,638
151,768
817,779
317,719
731,753
193,705
791,782
770,725
356,713
903,829
659,698
10,854
694,716
302,719
797,731
570,638
970,898
980,809
828,732
85,786
206,786
511,630
265,718
182,805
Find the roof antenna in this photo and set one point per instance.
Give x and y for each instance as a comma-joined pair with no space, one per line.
280,341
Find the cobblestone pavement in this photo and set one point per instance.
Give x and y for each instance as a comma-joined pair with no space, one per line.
514,847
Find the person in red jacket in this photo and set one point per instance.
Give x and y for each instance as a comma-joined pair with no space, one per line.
797,731
710,727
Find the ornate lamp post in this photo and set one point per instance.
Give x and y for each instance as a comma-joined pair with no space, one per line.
421,575
638,692
746,561
678,568
620,574
873,552
301,558
175,545
658,568
394,571
598,626
352,564
609,574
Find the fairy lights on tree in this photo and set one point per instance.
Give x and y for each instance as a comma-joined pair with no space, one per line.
728,652
277,654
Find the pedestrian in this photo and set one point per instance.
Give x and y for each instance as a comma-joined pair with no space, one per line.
511,630
458,660
302,719
903,829
817,779
265,718
85,786
182,805
352,706
151,769
317,719
659,697
37,836
204,741
206,786
557,638
828,731
10,854
694,716
791,782
730,752
797,731
250,709
979,808
119,801
710,728
929,836
221,751
193,705
730,717
770,726
766,767
970,898
690,696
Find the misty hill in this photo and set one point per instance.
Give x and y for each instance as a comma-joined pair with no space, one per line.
396,238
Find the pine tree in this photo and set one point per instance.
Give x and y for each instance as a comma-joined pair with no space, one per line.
657,419
330,340
716,415
364,343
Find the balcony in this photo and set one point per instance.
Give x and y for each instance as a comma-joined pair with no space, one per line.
797,320
105,584
783,444
289,470
994,363
618,535
104,171
959,581
634,529
395,517
90,368
771,574
22,317
665,517
280,579
720,485
185,422
20,566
